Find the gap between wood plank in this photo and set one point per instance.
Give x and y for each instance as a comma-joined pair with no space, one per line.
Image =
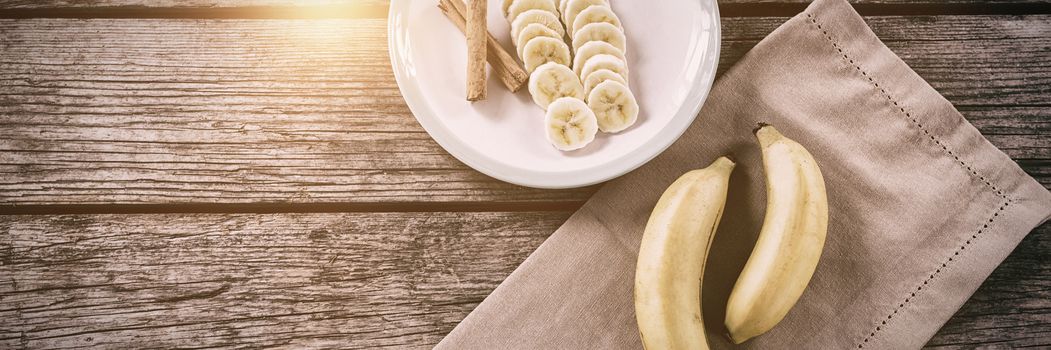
278,208
380,11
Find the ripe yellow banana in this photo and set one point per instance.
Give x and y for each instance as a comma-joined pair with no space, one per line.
672,258
790,242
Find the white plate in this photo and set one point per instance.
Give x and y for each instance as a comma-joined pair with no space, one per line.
672,52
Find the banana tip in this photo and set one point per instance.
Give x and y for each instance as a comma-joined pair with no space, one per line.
736,341
760,126
723,162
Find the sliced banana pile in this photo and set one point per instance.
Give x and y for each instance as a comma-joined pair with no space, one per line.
574,52
599,46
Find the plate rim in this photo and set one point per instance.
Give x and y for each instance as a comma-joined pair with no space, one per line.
612,169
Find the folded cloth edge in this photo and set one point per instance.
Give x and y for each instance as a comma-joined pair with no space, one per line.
1025,203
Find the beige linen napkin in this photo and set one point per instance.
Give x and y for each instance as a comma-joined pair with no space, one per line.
922,207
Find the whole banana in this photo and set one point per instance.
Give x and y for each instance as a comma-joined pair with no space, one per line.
672,257
790,242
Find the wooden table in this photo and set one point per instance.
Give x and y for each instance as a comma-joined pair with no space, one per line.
218,173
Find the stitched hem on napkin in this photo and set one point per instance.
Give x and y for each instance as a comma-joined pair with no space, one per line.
831,29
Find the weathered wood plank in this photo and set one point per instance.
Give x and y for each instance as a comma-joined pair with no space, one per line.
1039,170
248,111
190,109
183,3
971,60
376,280
1012,309
196,9
356,281
1009,120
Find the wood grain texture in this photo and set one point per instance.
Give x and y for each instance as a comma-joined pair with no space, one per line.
250,111
1009,310
182,3
392,280
195,9
190,110
947,51
355,281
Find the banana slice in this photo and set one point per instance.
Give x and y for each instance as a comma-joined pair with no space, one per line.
548,19
599,76
614,106
542,49
589,50
594,14
604,61
553,81
601,31
570,124
573,7
507,5
531,31
519,6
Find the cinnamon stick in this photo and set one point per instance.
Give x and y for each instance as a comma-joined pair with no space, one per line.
476,35
505,67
